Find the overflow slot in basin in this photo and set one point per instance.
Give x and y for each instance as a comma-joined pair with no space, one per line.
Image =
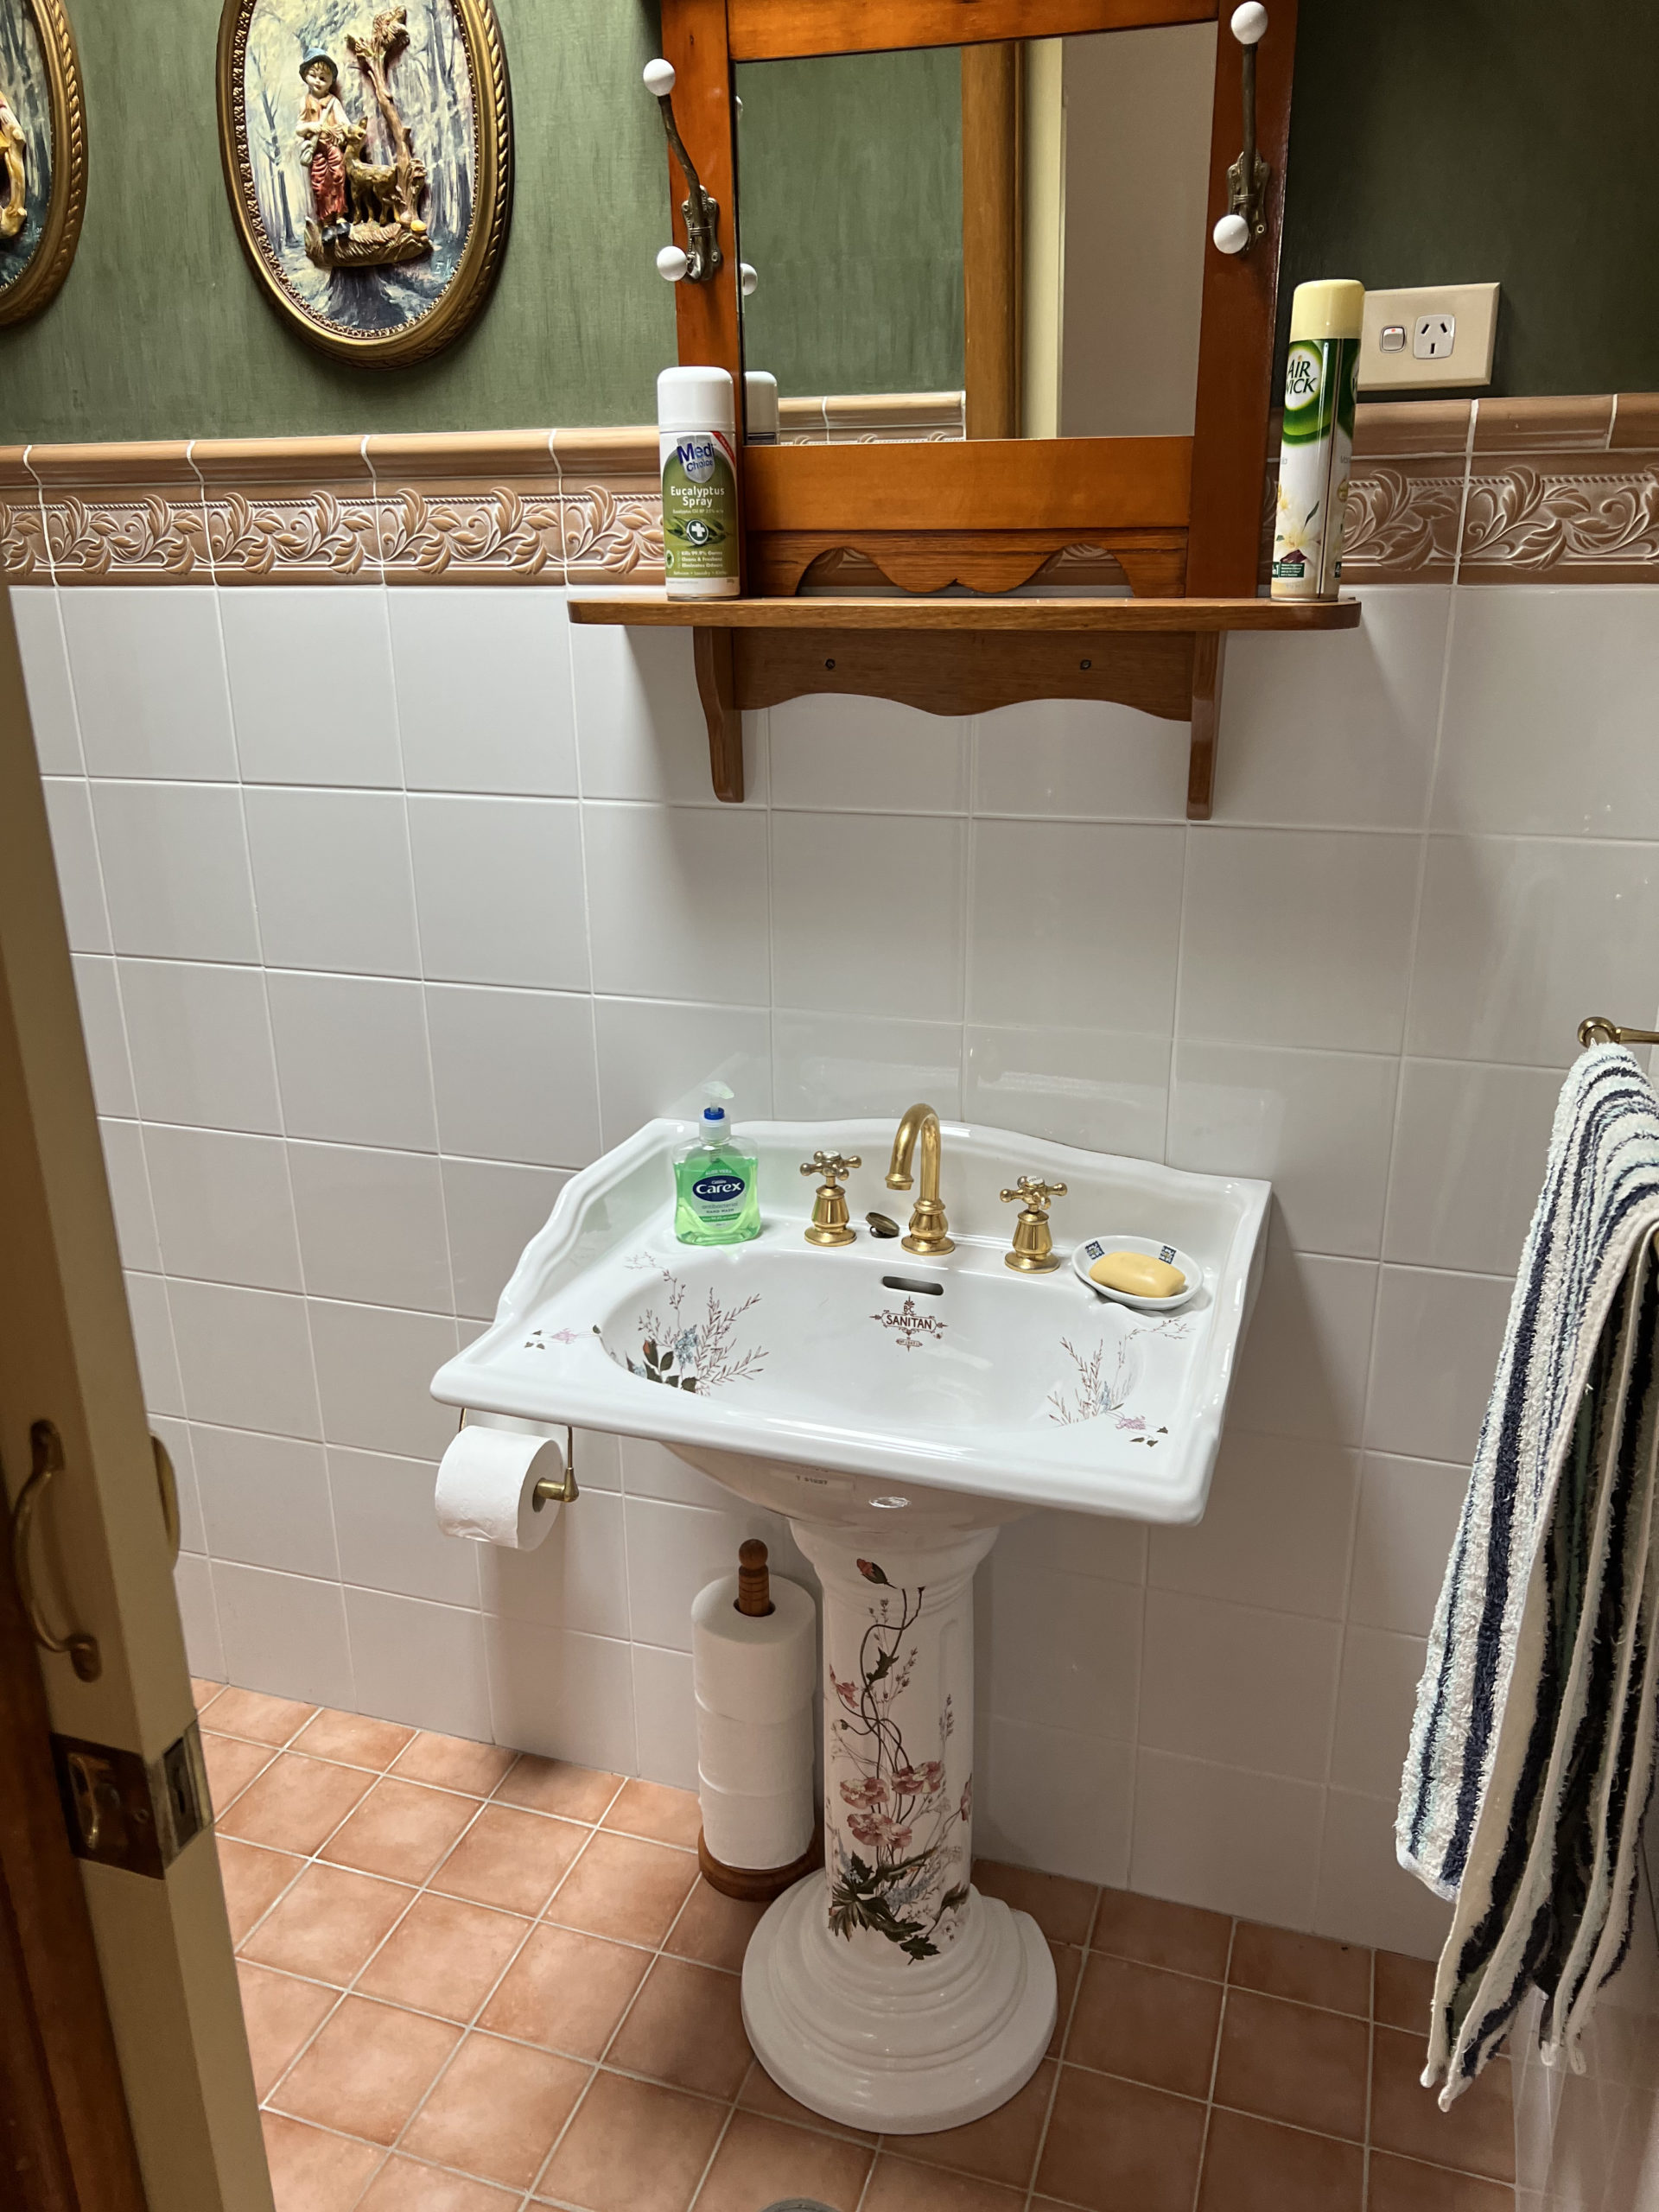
917,1285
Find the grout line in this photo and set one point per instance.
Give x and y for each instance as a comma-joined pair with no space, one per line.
1059,2056
1371,2072
1215,2061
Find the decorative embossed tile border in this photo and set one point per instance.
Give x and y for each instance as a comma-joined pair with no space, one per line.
1516,491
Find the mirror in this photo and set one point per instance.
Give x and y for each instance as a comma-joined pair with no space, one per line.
984,241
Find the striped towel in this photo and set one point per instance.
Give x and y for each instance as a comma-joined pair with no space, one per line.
1532,1750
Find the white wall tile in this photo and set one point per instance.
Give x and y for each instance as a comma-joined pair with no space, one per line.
871,755
639,727
245,1359
492,1212
1237,1686
200,1040
1522,938
665,1716
499,886
388,1531
1068,758
224,1211
374,1369
1061,1802
1338,728
152,1337
655,1059
652,1470
352,1054
515,1075
193,1584
1408,1512
1468,1161
483,677
45,656
1065,1649
1526,669
577,1576
311,688
371,1226
419,1664
1316,1125
830,1064
149,680
1276,1531
264,1500
174,858
105,1031
1297,937
1380,1675
1101,1089
599,1457
563,1695
1075,1543
674,1550
285,1633
128,1179
1438,1337
677,900
1364,1895
1074,926
74,852
1233,1842
867,917
331,872
1303,1367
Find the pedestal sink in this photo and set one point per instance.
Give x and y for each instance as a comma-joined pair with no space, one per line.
897,1409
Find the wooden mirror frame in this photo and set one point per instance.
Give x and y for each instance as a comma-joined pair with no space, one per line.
1180,516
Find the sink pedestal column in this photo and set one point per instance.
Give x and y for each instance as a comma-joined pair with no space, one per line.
885,1992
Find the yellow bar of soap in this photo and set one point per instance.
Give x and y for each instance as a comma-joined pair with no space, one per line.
1139,1274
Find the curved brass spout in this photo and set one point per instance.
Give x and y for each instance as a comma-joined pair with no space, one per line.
929,1230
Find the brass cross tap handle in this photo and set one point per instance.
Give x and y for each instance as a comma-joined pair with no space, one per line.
1034,1247
830,1223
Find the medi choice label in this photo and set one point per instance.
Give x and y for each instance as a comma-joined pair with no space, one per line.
1321,370
697,432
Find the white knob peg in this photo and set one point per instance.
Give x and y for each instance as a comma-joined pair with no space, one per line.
746,279
1231,235
1250,23
659,75
672,263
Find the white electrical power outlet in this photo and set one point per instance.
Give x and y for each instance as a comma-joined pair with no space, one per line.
1426,337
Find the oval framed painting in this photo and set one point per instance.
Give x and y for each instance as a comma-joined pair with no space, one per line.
42,154
368,156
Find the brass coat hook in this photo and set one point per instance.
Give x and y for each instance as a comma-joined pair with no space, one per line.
700,209
46,1459
1246,218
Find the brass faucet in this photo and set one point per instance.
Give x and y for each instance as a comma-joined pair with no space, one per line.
929,1230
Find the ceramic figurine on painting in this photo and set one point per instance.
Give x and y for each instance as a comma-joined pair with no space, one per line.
324,129
42,154
364,214
14,170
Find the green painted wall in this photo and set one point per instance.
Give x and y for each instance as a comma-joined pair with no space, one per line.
1432,139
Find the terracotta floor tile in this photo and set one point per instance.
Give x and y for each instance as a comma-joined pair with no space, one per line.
454,1763
296,1803
686,2027
1291,2063
575,1792
1146,2024
1312,1969
279,2013
1116,2147
1063,1908
1157,1933
510,1858
204,1692
714,1929
1477,2136
666,1816
1068,1960
328,1924
311,2171
1250,2165
265,1720
402,1830
368,2069
497,2110
566,1992
401,2185
1000,2147
624,1888
760,2092
253,1881
351,1739
900,2185
1405,1991
445,1956
1403,2185
232,1766
633,2147
761,2160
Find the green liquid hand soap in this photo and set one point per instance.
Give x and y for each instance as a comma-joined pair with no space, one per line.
716,1198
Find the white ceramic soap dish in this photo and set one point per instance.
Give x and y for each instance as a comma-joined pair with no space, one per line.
1095,1248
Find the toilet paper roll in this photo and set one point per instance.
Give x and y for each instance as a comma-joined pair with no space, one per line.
757,1832
755,1756
754,1677
484,1483
758,1669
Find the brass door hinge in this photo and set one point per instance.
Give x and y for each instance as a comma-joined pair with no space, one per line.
123,1810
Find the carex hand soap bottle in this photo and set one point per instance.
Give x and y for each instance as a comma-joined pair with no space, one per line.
717,1200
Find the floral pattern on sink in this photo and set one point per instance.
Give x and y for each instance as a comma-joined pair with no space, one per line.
701,1354
1103,1381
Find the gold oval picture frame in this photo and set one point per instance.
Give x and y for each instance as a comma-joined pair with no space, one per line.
42,154
368,158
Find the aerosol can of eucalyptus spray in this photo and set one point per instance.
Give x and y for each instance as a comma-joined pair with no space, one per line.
1320,379
697,427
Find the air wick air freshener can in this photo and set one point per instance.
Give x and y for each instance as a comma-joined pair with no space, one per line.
1320,373
697,429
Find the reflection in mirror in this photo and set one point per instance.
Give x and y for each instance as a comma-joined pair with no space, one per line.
989,241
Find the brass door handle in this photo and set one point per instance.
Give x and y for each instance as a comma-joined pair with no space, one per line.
167,1484
46,1459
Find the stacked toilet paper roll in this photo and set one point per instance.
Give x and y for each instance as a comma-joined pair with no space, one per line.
754,1677
487,1485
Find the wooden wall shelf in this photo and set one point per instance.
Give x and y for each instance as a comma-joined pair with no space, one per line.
961,656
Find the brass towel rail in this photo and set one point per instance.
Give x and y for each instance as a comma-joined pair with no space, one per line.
1596,1029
